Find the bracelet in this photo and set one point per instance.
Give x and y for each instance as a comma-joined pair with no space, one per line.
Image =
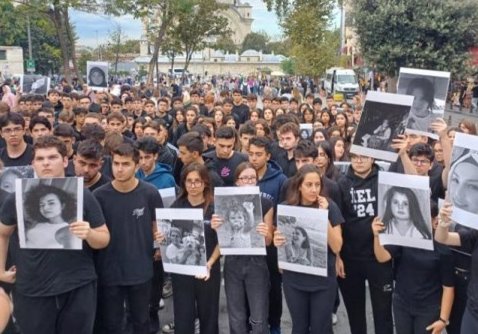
446,322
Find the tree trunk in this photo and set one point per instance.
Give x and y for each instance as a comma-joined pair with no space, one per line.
56,18
71,41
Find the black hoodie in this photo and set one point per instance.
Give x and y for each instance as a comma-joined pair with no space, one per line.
359,207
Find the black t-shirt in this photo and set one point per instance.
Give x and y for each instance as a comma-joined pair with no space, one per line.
23,160
129,216
43,273
469,243
307,282
209,234
420,273
242,112
226,167
102,181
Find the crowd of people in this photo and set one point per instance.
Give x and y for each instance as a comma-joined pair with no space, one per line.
129,145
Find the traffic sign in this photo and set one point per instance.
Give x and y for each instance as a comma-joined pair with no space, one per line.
30,65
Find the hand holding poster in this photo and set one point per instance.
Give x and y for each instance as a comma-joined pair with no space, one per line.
405,211
45,209
240,208
463,180
305,231
183,250
383,118
429,89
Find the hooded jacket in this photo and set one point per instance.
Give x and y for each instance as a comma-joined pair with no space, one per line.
359,207
161,177
271,183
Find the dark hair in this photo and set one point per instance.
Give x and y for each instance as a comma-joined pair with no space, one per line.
50,142
306,242
226,132
262,142
242,167
79,111
305,149
36,193
192,141
290,127
331,117
126,150
12,117
414,210
94,131
294,196
309,110
247,128
63,130
316,100
39,120
427,87
204,175
331,171
148,145
90,149
333,141
202,129
422,149
323,131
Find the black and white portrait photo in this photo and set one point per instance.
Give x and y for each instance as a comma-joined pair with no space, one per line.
404,207
97,74
463,180
240,207
306,130
305,230
184,249
45,209
429,89
168,195
383,118
34,84
9,174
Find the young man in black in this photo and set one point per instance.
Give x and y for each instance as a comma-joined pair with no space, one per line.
88,162
55,290
224,157
239,109
125,267
357,262
16,152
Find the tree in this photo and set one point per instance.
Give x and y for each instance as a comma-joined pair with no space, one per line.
225,44
279,47
255,41
433,34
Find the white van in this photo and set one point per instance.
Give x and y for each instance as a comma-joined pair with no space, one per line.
341,81
177,72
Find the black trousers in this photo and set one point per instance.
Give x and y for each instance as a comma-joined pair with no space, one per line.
156,285
462,278
193,297
111,307
67,313
275,293
380,279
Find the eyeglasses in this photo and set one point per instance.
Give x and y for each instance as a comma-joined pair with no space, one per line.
194,184
359,158
10,131
247,179
420,161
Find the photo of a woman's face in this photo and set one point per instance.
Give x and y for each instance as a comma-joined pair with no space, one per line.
420,105
50,206
464,187
400,206
8,182
237,220
175,238
297,237
96,77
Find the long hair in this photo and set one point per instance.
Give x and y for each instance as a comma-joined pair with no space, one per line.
416,216
331,171
293,195
35,194
205,178
427,87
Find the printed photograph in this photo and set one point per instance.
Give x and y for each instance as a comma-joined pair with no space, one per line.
429,89
405,211
97,74
240,207
34,84
184,249
168,195
305,230
463,180
45,209
9,174
306,130
383,118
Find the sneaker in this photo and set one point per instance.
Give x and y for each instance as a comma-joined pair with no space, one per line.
334,319
167,289
161,303
169,328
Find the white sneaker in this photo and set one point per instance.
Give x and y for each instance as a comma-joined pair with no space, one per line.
161,303
197,326
334,319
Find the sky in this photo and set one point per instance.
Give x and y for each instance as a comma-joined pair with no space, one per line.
94,29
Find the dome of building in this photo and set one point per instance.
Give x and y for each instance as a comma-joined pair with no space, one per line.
250,53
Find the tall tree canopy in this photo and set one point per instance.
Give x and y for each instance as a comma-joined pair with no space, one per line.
432,34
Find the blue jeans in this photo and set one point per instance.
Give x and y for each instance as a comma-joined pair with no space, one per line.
411,318
247,282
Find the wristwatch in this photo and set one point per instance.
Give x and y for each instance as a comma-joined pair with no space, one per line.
446,322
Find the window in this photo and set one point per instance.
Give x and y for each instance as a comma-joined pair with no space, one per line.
3,54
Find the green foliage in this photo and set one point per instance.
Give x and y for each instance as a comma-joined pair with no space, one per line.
280,47
225,44
84,57
255,41
432,34
289,66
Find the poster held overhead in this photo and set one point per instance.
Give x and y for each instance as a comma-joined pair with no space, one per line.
97,75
